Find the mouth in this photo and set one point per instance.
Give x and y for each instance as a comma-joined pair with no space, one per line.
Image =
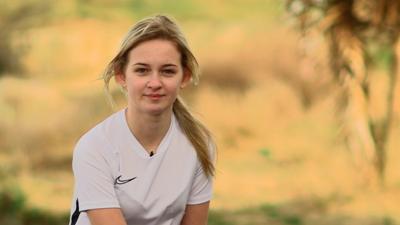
154,96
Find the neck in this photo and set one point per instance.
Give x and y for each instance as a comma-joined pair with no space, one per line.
148,129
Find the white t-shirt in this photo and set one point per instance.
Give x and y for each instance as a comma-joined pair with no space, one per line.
113,170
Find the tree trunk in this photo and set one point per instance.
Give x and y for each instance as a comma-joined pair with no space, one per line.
348,63
381,127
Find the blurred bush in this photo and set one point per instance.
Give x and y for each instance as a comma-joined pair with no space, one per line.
16,18
14,211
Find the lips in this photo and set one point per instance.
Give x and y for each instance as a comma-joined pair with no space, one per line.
154,96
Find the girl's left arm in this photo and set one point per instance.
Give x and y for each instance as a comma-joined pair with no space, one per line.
196,214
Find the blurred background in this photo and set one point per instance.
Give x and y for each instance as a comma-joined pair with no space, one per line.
268,93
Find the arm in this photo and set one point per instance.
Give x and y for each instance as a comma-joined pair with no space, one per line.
106,216
94,183
196,214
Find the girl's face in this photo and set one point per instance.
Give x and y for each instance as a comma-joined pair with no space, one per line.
153,76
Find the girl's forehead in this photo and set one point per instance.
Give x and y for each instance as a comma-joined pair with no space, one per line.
154,46
155,51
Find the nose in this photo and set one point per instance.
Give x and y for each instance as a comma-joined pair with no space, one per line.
154,81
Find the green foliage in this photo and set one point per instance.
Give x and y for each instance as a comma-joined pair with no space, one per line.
180,8
14,211
270,210
303,211
237,11
380,56
12,201
138,8
265,152
388,221
292,220
217,218
40,217
274,213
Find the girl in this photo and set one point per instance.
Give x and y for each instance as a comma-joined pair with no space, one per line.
152,162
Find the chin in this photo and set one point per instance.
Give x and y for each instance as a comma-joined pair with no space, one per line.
156,110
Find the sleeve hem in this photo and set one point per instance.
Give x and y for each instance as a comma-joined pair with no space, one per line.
98,205
199,200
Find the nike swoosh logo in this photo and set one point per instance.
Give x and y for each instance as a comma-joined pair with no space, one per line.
120,181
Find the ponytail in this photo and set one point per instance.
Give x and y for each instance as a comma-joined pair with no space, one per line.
198,135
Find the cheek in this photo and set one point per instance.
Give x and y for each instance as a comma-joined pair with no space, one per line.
137,84
134,91
174,87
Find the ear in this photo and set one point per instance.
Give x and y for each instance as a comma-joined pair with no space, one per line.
187,75
120,78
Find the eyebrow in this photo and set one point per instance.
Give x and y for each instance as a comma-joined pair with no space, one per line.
140,64
145,64
169,64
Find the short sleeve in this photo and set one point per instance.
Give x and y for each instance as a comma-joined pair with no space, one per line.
94,184
202,186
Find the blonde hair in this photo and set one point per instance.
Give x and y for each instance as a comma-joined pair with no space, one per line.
163,27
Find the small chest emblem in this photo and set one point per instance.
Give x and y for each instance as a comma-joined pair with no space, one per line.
121,181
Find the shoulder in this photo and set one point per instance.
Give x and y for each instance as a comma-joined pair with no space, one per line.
96,140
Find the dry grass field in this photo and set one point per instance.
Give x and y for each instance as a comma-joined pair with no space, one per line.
279,161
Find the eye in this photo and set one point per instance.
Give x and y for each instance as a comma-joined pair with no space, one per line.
169,72
141,70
